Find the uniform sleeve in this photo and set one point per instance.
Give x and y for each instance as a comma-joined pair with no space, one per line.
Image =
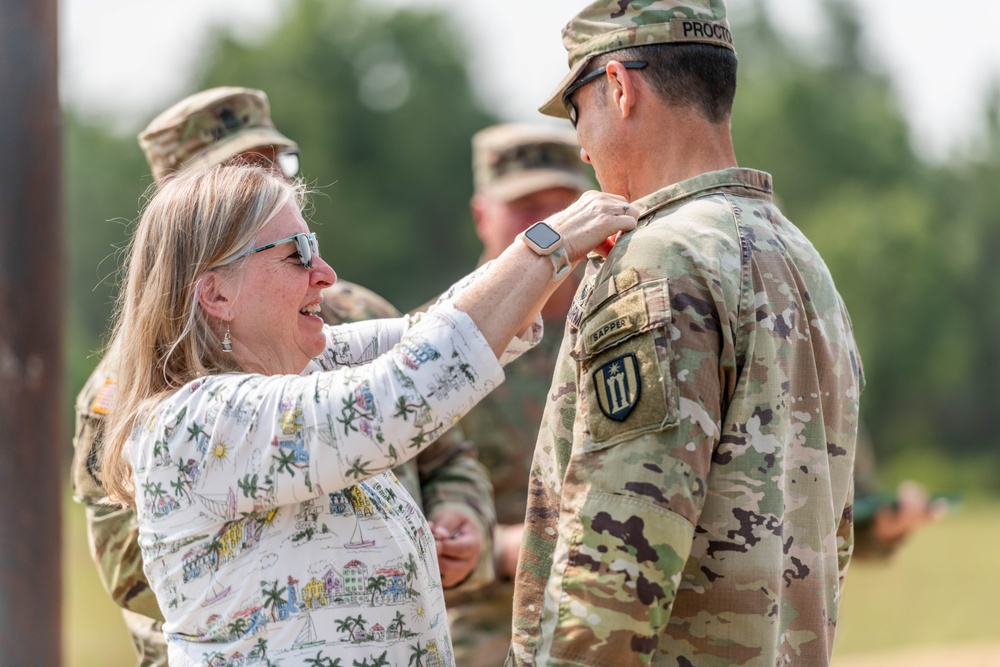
114,547
451,477
112,530
249,441
651,363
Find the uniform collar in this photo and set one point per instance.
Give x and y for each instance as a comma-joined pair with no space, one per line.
744,182
738,181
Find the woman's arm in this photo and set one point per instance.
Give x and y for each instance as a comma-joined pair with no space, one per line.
264,441
508,298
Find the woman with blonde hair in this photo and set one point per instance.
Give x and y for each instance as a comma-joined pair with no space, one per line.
255,442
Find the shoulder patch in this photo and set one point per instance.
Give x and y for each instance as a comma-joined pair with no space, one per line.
618,385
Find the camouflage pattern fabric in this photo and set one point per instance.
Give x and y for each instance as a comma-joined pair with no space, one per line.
512,160
208,128
147,638
503,428
690,499
112,530
446,474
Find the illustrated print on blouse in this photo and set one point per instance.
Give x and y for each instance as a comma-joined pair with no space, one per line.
230,542
259,490
170,591
453,377
290,453
358,413
383,592
416,352
343,355
158,501
391,611
159,455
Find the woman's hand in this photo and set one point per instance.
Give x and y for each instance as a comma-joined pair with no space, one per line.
587,223
508,297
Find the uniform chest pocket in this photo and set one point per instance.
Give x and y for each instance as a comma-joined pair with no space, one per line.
625,360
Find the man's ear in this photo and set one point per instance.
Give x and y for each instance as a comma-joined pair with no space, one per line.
622,84
213,294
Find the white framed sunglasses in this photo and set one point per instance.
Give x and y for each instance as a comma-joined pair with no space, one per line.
306,246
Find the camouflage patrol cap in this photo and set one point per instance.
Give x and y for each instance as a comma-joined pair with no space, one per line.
209,128
609,25
512,160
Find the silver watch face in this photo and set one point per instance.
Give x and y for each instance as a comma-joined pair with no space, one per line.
542,235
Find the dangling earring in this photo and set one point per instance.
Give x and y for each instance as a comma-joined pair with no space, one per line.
227,342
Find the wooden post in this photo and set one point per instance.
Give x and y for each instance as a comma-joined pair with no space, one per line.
33,440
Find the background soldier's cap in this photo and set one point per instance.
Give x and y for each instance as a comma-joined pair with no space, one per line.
513,160
605,26
209,128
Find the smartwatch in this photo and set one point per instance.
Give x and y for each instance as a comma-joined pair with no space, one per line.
547,242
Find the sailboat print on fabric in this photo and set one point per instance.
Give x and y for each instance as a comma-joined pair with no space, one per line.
358,540
362,506
215,591
307,636
222,507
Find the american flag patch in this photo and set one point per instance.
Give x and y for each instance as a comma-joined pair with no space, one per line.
105,397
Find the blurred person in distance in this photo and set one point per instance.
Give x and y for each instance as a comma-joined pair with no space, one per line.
522,173
883,521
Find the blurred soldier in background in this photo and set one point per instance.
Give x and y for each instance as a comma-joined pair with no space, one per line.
208,128
521,174
883,521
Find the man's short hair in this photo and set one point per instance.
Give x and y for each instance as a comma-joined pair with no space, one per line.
699,76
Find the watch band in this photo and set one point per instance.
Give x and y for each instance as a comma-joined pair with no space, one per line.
560,263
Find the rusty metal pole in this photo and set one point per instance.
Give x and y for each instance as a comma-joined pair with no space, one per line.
32,397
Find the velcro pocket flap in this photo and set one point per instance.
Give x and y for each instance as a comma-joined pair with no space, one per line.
625,361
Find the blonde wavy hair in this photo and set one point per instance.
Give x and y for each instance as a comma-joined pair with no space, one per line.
162,338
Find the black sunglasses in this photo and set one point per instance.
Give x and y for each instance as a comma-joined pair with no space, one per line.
587,78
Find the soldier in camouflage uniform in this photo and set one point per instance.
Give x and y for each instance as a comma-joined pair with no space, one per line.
691,490
883,520
208,128
522,174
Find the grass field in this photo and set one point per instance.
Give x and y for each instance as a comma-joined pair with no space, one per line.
941,590
936,603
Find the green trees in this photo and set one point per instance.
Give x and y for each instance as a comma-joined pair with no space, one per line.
906,241
382,108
